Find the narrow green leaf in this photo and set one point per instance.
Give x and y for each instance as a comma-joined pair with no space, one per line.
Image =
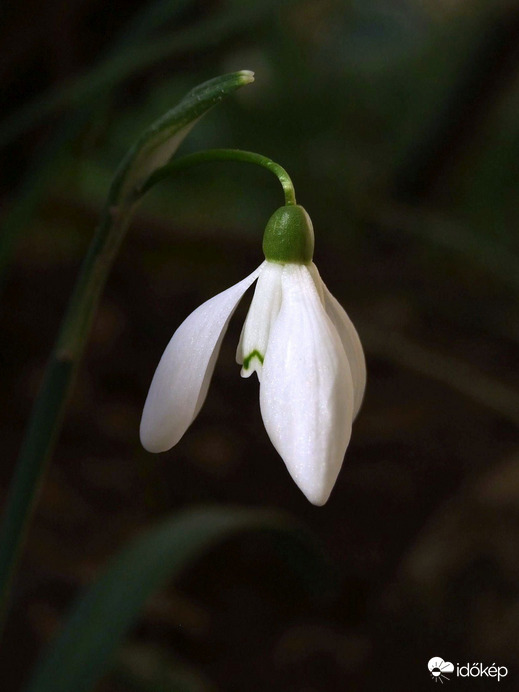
101,618
152,150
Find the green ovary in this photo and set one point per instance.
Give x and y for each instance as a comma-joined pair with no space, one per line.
289,236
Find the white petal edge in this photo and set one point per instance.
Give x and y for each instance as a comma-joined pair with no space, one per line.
306,392
350,340
182,377
263,311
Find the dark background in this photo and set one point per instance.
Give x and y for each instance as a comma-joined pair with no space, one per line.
398,122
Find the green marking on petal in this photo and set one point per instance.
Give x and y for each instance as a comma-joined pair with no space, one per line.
248,359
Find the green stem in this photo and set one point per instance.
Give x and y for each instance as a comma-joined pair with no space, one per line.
224,155
49,406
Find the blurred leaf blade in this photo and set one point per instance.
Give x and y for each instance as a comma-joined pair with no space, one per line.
130,60
101,618
50,159
142,668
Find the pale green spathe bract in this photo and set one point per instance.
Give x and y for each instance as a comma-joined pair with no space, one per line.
159,142
305,351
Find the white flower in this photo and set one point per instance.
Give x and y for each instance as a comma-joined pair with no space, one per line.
307,356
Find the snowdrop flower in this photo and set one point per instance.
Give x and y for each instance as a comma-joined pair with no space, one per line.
299,341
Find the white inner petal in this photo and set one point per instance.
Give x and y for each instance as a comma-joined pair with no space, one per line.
306,392
263,311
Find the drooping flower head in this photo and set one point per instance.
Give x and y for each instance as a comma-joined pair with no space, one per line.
299,341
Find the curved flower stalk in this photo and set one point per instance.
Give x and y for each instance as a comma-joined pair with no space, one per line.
299,341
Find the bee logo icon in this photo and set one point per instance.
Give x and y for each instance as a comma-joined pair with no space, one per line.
438,667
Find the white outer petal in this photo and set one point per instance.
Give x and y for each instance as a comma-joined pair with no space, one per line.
182,377
349,337
263,311
306,392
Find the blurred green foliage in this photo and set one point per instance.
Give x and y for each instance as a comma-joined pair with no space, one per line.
347,96
397,121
